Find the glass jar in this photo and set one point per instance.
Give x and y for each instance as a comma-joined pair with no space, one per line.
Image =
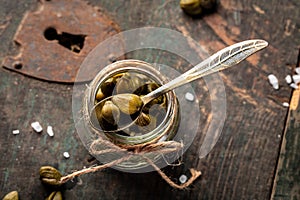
179,124
165,130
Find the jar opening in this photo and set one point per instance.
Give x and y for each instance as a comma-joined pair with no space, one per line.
110,117
140,80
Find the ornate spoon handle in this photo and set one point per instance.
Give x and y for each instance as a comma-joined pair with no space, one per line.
223,59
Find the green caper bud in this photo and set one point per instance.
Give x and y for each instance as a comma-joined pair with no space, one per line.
158,100
151,87
146,88
99,95
110,112
143,120
56,195
136,81
151,126
107,88
117,76
128,103
161,101
11,196
129,83
49,175
191,7
124,84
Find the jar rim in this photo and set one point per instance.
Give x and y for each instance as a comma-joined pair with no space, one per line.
146,69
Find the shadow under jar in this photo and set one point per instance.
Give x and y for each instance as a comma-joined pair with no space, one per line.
159,120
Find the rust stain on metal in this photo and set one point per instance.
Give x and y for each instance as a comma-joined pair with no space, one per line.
54,40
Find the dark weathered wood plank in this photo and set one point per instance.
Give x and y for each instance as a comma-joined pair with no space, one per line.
241,165
287,180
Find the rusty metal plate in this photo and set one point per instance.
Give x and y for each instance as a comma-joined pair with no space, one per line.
54,40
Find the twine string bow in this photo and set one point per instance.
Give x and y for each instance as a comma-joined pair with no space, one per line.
129,152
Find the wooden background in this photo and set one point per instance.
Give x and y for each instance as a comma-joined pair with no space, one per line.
257,156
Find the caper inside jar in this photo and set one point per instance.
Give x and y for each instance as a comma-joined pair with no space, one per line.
109,116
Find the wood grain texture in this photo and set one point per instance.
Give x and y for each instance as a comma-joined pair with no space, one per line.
287,179
242,164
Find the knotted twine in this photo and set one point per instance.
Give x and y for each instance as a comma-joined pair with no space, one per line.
141,150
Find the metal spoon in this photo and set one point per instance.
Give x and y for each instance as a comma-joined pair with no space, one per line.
225,58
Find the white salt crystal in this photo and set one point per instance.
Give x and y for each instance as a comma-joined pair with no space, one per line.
183,178
297,70
288,79
66,154
296,78
16,132
293,85
50,131
273,81
285,104
37,127
189,96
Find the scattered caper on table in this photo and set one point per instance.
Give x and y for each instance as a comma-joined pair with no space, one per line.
191,7
50,176
56,195
11,196
197,7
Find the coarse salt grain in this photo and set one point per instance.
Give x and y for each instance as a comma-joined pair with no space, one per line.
36,127
285,104
297,70
183,178
273,81
50,131
16,132
296,78
293,85
288,79
189,96
66,154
